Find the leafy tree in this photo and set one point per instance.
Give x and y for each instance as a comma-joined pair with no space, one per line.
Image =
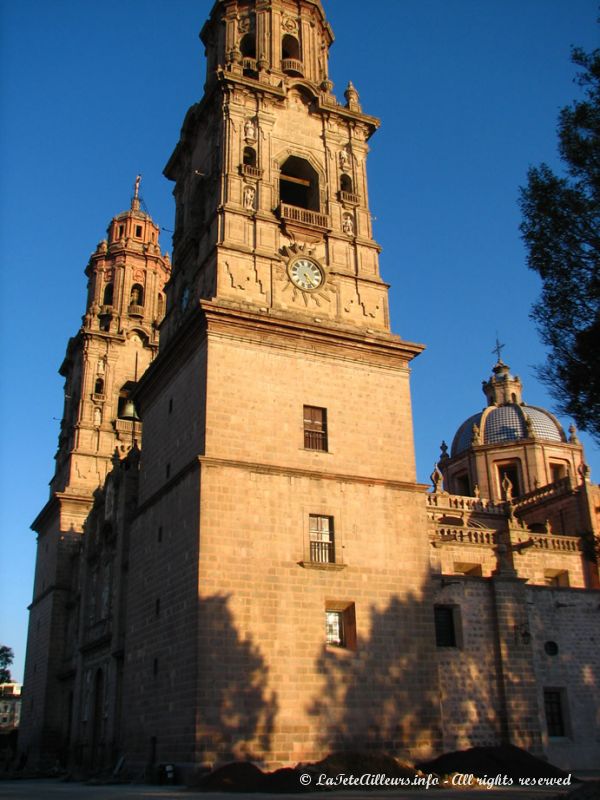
6,659
561,230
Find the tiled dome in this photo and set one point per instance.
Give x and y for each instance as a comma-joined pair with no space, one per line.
507,423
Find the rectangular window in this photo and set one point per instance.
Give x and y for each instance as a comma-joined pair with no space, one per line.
445,618
322,543
340,625
556,577
315,428
553,706
138,231
557,471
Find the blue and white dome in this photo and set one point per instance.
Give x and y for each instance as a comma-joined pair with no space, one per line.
507,423
507,418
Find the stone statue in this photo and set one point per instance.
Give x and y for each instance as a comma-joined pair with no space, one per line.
250,130
507,488
345,162
249,197
348,225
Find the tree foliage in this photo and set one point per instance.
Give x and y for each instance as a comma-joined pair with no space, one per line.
561,230
6,659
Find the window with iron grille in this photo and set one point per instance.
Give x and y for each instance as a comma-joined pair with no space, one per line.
315,428
445,626
321,536
340,624
553,706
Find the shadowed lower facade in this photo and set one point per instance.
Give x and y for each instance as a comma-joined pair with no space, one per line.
265,579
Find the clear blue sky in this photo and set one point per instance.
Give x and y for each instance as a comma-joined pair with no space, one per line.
94,92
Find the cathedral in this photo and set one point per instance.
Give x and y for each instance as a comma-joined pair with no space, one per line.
236,560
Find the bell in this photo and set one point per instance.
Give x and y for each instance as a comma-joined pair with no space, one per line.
129,412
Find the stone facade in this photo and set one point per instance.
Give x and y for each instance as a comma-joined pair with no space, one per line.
266,579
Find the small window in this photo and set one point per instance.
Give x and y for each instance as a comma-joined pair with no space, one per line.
556,577
120,231
138,231
446,619
554,708
551,648
99,386
322,543
340,625
315,428
108,295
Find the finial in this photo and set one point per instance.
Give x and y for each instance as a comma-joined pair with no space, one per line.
498,349
135,200
573,438
352,99
437,479
443,451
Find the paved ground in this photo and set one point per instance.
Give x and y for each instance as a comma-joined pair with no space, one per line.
57,790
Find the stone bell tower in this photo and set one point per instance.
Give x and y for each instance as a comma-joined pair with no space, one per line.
114,346
280,523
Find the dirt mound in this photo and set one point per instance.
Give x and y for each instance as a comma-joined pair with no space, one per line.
360,764
239,776
491,761
243,776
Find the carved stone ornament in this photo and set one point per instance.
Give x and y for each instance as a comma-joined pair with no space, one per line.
246,24
289,24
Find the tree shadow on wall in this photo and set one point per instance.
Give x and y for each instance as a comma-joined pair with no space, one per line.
383,696
235,711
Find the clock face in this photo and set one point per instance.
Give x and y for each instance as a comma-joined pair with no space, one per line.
306,274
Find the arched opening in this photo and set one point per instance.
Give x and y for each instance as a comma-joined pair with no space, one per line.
248,50
137,295
99,386
290,48
346,184
108,295
249,157
248,46
299,184
161,306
